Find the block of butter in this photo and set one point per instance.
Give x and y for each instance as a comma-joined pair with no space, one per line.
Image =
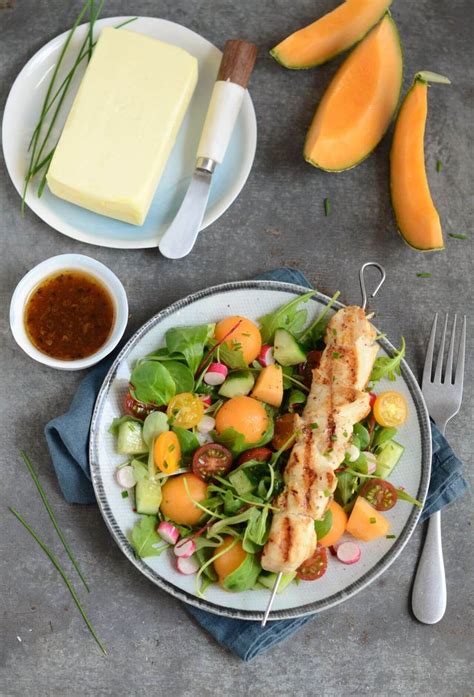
122,125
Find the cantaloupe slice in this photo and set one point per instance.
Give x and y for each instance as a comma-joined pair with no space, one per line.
359,103
330,35
365,523
417,218
269,386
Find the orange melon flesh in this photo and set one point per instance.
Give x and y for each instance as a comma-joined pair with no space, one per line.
417,218
359,103
330,35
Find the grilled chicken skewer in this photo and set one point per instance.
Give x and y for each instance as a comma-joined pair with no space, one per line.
336,402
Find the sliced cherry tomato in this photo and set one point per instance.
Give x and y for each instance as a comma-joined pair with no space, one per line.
390,409
285,426
211,459
135,408
185,410
259,454
167,452
305,369
314,567
372,398
380,494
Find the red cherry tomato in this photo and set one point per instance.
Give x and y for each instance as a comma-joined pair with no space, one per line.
380,494
135,408
314,567
372,398
211,459
259,454
305,369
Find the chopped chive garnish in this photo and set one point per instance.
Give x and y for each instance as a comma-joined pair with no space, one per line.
313,425
327,207
336,354
345,434
52,517
390,537
372,520
334,438
457,236
66,580
328,452
424,274
327,493
125,494
334,332
439,165
171,448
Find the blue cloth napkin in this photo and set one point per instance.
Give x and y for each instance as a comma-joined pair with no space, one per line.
68,441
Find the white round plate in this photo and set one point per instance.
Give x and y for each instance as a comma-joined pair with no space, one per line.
23,107
253,299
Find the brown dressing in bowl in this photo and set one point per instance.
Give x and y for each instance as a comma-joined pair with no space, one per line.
69,315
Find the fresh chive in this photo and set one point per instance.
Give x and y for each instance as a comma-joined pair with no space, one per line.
50,512
424,274
327,493
390,537
327,207
457,236
372,520
334,438
336,354
345,434
125,494
313,425
66,580
127,21
439,165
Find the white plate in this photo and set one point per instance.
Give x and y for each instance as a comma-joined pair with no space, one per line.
23,107
253,299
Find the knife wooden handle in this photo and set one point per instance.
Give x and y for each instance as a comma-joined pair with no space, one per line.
226,99
237,62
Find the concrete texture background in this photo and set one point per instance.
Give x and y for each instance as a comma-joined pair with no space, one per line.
371,645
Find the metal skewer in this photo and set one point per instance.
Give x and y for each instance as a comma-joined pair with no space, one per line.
365,298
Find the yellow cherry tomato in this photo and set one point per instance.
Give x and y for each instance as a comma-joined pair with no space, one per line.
185,410
390,409
167,452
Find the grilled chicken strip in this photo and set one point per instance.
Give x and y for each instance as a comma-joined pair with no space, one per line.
335,403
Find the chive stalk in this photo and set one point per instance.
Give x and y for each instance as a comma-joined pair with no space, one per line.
63,575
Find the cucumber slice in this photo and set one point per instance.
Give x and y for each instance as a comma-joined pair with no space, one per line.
148,496
268,580
241,482
286,349
237,385
140,470
130,440
387,457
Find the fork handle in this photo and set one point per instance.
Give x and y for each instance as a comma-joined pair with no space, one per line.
428,600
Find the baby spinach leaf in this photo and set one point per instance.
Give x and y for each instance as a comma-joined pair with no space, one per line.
386,366
182,376
346,487
236,441
187,440
285,317
119,420
144,539
189,342
245,576
362,436
322,527
152,383
382,435
154,424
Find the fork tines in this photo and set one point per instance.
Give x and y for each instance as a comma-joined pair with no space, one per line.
445,376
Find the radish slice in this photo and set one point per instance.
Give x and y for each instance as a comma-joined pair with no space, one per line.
353,453
125,477
216,374
265,357
371,461
348,552
204,438
206,399
187,565
185,548
206,424
168,532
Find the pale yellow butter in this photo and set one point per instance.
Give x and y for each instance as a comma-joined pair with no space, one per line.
122,125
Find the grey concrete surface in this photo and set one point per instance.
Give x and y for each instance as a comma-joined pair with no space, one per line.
370,645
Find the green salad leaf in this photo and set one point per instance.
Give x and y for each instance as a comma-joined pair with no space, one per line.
144,539
315,332
402,494
236,443
346,487
245,576
154,424
361,436
189,342
386,366
322,527
152,383
382,435
187,440
233,356
257,530
182,376
285,317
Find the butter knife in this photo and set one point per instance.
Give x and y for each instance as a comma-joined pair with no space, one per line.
229,90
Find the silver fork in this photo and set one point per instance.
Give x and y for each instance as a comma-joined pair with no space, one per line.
443,396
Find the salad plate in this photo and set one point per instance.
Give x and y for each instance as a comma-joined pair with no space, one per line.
253,299
23,107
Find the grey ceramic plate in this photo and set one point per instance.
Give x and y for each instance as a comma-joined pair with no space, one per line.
253,299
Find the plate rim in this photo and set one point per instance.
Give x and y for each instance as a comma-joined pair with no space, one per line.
48,216
291,613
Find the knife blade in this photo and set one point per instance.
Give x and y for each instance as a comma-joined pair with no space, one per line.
228,93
